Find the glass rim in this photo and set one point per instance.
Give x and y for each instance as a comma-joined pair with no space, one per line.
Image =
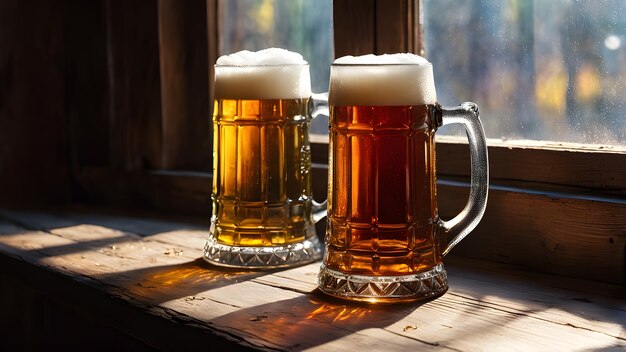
381,64
261,65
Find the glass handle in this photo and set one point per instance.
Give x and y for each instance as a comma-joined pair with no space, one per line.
460,226
319,107
319,210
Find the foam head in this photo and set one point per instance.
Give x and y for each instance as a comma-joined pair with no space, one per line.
266,74
375,80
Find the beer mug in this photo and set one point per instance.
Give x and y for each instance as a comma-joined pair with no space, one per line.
263,212
385,240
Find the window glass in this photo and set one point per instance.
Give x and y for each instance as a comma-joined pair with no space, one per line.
303,26
538,69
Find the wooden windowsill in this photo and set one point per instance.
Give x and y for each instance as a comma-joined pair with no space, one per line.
140,277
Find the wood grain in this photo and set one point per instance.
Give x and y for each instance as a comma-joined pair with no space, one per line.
134,85
213,22
564,236
171,302
184,62
86,82
416,43
542,165
533,165
34,136
376,27
354,27
391,27
178,192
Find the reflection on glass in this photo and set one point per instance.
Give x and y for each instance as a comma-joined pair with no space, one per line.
303,26
539,69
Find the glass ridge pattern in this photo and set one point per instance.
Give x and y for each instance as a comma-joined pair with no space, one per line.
423,285
263,257
382,214
381,239
262,198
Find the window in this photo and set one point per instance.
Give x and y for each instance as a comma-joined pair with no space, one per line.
539,69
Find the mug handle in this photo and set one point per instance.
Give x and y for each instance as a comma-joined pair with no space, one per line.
461,225
319,107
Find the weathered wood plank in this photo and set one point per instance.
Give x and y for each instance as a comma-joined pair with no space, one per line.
486,308
565,236
469,326
537,165
554,299
189,236
547,166
155,326
302,279
193,290
27,313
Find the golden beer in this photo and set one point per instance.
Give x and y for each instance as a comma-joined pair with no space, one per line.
262,202
262,180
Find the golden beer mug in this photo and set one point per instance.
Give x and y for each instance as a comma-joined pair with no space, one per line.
385,240
263,211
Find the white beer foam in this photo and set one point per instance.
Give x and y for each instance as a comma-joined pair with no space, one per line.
270,56
382,80
272,73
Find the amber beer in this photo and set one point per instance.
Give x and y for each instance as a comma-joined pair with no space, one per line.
384,240
261,197
382,202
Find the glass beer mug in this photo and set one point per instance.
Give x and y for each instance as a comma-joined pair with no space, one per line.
384,240
263,211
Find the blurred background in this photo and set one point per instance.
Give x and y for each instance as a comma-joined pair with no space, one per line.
541,69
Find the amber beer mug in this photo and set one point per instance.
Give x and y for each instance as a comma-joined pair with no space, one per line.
385,240
263,212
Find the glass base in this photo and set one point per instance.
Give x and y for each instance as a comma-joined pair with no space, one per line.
384,289
295,254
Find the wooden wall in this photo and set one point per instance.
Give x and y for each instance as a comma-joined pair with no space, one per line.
107,87
34,132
